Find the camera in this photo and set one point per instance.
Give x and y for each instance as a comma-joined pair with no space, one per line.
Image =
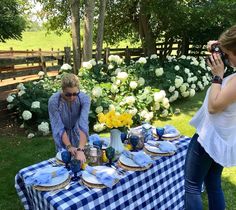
215,48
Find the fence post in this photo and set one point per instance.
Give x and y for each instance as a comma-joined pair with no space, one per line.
52,63
67,52
106,55
12,66
127,55
42,62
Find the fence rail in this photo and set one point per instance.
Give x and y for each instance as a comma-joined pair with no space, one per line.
16,64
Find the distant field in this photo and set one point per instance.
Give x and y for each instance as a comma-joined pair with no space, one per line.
39,39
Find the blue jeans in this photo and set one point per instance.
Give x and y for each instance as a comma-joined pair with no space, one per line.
199,168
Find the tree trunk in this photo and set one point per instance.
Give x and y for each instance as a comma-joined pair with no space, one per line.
75,26
146,34
102,9
88,30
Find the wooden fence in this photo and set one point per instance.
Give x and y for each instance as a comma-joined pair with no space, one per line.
24,64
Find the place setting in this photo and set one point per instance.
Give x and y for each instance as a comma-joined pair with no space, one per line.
168,133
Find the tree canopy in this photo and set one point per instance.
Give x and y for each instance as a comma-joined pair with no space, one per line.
11,22
149,21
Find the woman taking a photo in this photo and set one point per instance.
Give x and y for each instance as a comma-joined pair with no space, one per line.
214,144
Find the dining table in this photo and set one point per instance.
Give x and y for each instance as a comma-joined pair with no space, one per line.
160,187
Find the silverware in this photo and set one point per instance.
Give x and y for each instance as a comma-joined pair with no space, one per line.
53,162
119,170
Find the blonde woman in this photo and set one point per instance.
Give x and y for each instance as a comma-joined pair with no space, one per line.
214,144
68,111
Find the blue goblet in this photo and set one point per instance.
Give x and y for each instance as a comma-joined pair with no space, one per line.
110,153
134,142
160,132
66,158
97,144
75,168
123,136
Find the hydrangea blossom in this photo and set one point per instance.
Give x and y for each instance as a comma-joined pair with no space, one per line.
97,91
122,76
133,111
41,74
142,60
177,68
153,56
115,58
159,72
44,128
30,136
26,115
21,93
10,106
191,92
171,89
114,88
164,113
158,96
129,100
65,67
35,105
99,109
98,127
87,65
20,87
10,99
93,62
133,84
141,81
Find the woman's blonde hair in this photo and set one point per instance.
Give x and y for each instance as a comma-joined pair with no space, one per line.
69,80
228,39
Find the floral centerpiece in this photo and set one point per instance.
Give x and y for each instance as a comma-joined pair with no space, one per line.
116,122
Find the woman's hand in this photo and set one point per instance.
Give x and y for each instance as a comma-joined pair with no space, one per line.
80,156
216,64
210,43
73,151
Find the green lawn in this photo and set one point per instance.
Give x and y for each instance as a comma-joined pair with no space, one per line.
17,152
39,39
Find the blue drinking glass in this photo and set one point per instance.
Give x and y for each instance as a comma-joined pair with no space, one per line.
123,136
75,168
97,144
110,153
66,158
134,142
160,132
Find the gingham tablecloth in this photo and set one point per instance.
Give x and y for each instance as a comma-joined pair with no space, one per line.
161,187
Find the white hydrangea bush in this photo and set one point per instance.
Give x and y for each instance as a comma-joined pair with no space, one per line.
146,88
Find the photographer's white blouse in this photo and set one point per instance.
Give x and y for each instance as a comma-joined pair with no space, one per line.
217,132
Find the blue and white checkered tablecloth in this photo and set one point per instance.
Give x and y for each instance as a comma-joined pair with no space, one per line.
161,187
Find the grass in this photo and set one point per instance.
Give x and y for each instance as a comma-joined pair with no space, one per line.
39,39
19,152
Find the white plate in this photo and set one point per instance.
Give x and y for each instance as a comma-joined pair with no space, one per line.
155,149
127,161
171,135
90,178
55,180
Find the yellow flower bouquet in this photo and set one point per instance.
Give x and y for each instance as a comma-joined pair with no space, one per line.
115,120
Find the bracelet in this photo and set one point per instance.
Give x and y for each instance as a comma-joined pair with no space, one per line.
217,79
79,149
68,146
